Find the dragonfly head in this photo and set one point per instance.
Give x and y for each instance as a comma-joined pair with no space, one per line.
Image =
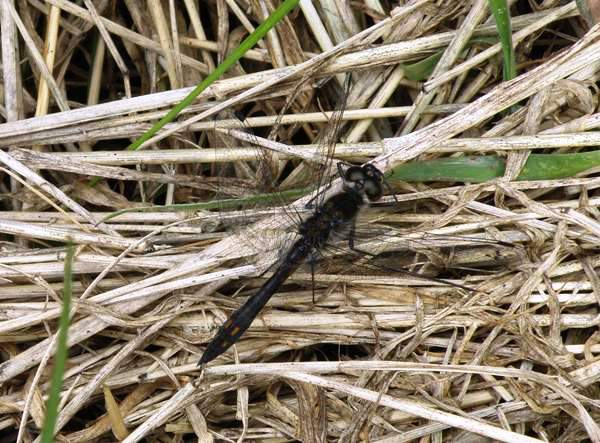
367,180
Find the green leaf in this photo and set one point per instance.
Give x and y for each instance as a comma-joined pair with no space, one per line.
501,15
422,69
555,166
60,357
458,169
478,169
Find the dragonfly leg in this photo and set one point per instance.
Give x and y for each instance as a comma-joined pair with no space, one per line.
351,236
312,277
389,188
352,247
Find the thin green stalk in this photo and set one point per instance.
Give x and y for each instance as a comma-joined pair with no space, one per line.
60,357
231,203
229,61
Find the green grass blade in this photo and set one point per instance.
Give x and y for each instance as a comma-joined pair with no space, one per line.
60,357
484,168
555,166
501,15
461,169
233,203
471,169
229,61
422,69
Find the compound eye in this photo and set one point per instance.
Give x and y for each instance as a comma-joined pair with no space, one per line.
355,174
373,190
372,171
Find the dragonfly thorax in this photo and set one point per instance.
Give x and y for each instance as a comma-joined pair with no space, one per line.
336,213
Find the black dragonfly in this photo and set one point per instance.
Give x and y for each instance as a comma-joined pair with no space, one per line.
333,218
337,214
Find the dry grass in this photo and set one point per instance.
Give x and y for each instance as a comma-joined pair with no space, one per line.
380,356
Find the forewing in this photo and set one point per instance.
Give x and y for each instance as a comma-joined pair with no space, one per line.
263,173
325,170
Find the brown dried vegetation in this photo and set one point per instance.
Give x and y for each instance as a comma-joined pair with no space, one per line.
379,357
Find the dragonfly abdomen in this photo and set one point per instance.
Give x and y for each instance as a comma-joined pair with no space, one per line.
231,331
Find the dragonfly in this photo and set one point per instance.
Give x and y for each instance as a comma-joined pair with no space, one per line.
333,218
360,185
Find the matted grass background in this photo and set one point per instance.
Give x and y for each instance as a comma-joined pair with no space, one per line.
379,356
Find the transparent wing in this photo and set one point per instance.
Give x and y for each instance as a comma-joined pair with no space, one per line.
429,257
328,140
268,171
